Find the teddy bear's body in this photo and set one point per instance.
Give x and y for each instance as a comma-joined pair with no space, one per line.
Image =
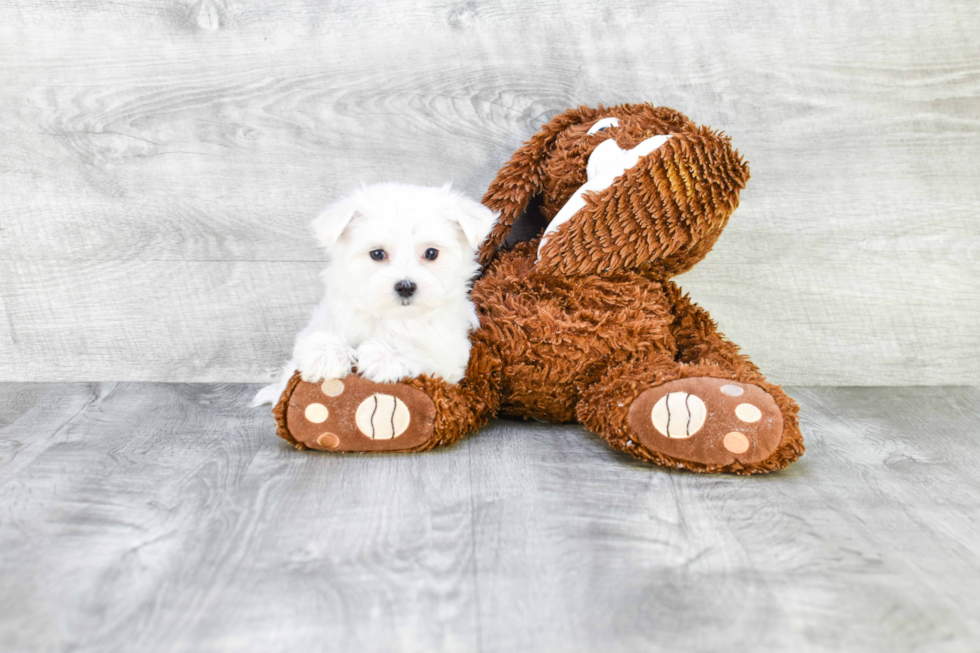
583,322
556,336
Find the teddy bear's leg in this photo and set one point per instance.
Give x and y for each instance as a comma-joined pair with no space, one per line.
710,410
699,417
354,414
700,343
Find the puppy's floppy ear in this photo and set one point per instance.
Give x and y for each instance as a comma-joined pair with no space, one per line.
330,224
473,218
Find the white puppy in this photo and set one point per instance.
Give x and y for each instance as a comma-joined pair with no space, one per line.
401,262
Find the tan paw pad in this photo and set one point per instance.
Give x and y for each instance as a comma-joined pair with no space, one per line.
732,390
736,442
678,415
382,417
328,440
316,413
748,413
332,387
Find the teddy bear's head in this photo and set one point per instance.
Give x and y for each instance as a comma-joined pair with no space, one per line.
629,187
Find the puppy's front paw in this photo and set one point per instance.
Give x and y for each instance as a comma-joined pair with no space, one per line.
322,355
380,362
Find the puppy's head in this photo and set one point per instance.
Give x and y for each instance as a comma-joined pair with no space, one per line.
398,250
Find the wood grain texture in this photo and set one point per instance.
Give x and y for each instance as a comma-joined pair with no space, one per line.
159,162
164,517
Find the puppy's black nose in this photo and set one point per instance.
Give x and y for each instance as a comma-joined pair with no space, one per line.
405,288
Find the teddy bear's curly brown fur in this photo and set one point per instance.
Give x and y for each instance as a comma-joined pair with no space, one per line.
590,327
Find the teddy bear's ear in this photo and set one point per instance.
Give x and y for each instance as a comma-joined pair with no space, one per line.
521,178
330,224
665,213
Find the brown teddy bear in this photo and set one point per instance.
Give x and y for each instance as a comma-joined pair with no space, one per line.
582,322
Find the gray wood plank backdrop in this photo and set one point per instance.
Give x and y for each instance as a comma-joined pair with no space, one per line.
159,162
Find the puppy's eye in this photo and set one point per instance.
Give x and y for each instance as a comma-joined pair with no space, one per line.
431,254
379,254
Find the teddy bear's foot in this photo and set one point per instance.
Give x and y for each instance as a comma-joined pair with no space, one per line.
707,421
354,414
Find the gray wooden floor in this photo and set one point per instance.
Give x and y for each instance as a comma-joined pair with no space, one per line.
166,517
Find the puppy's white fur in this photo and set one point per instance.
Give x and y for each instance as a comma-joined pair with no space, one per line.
362,320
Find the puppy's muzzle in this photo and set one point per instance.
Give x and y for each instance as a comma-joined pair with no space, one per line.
405,288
